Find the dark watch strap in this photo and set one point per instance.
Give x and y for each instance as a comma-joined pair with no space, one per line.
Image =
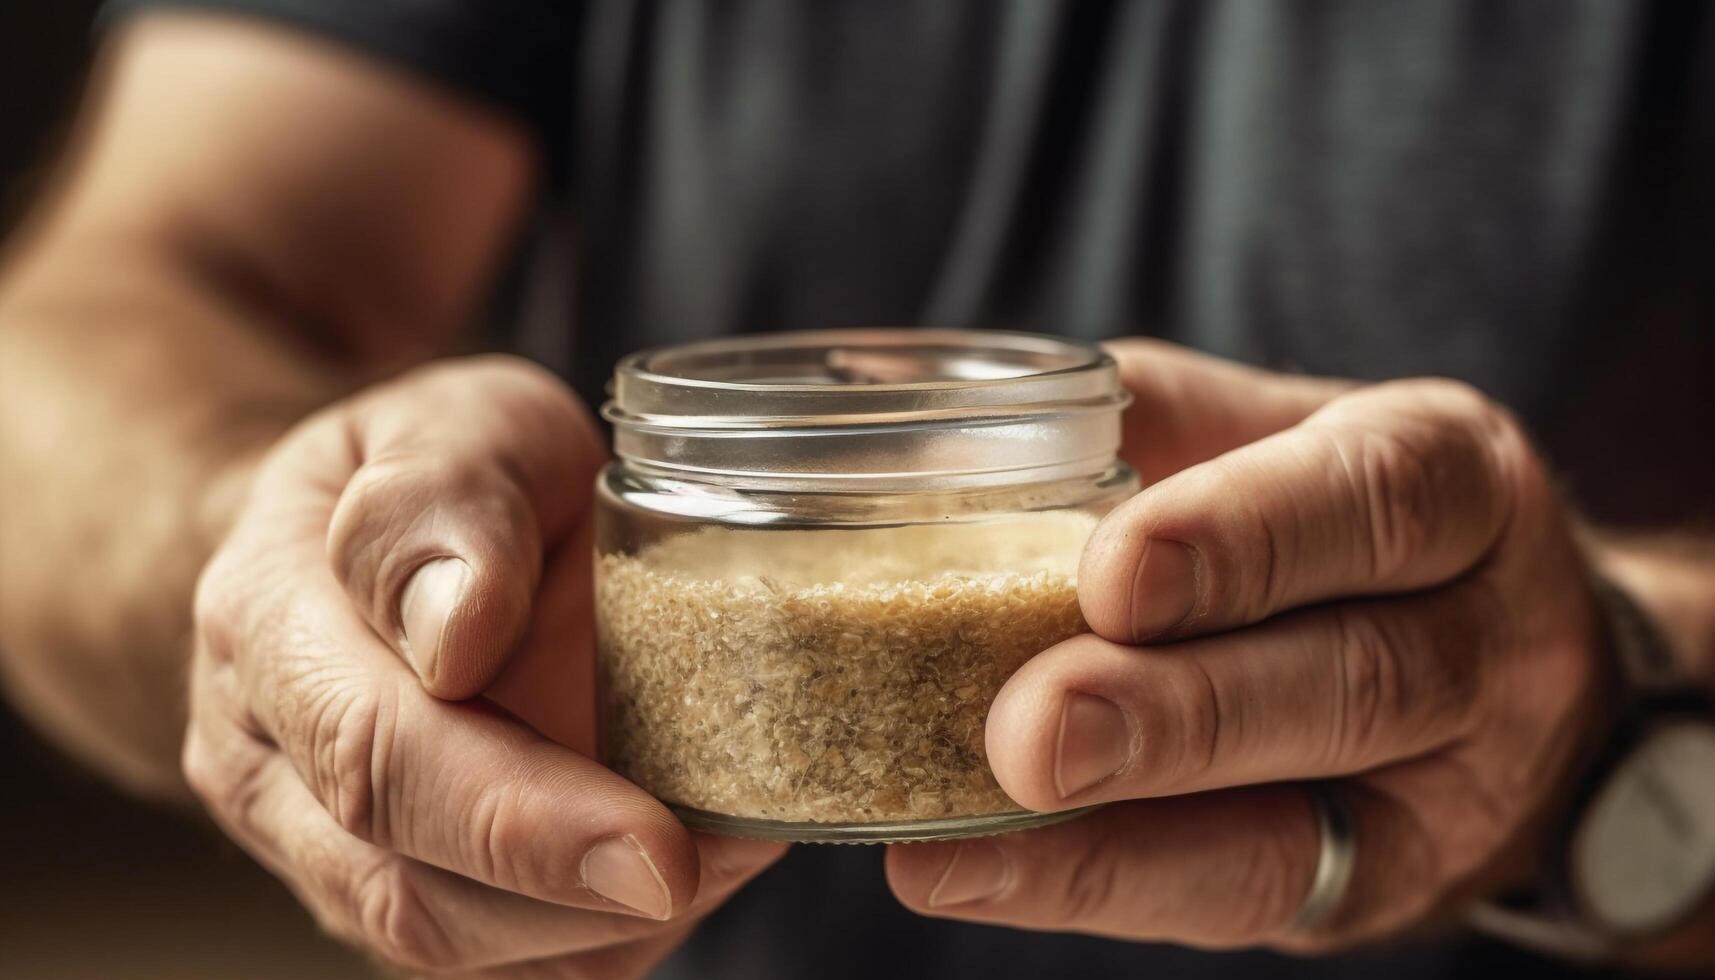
1646,663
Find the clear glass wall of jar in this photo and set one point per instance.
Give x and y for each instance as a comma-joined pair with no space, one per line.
820,555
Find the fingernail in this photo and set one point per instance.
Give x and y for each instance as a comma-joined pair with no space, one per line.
1164,591
619,870
429,599
1095,743
979,869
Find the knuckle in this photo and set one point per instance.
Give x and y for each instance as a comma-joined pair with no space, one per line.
534,399
1401,479
1457,397
1180,744
230,790
509,382
1254,594
351,742
1444,448
379,506
216,610
1494,446
399,510
391,494
531,381
511,367
1476,412
1093,888
1392,477
391,916
1518,478
500,839
383,499
1372,687
504,839
203,773
365,522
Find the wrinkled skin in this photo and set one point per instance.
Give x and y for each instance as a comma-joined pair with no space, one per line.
328,735
1372,584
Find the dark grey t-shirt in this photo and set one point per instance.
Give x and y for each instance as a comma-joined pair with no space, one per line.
1515,193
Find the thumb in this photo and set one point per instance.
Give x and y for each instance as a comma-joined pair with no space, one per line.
1189,407
465,472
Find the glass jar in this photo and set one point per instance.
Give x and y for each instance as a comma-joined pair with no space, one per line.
820,555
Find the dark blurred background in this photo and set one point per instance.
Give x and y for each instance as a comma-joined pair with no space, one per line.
44,48
92,884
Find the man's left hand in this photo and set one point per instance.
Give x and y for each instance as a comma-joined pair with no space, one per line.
1375,586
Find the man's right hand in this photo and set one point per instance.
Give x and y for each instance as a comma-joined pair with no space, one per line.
396,552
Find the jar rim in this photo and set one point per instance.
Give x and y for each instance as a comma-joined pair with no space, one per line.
860,376
870,406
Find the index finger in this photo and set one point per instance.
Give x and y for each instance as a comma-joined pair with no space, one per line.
1332,691
1388,489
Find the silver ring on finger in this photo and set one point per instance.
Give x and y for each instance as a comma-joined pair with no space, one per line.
1334,863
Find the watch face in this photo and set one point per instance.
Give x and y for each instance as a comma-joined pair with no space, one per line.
1644,853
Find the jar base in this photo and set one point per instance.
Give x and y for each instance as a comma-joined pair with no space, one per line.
897,832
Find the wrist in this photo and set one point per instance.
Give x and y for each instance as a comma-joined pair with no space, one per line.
95,656
1672,579
1622,862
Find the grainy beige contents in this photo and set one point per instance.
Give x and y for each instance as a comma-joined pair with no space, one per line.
848,683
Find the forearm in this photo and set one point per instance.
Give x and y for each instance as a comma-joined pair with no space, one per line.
138,390
249,224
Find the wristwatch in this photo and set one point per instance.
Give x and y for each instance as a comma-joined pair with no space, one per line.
1636,857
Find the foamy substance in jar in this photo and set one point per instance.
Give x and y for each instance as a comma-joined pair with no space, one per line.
828,676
